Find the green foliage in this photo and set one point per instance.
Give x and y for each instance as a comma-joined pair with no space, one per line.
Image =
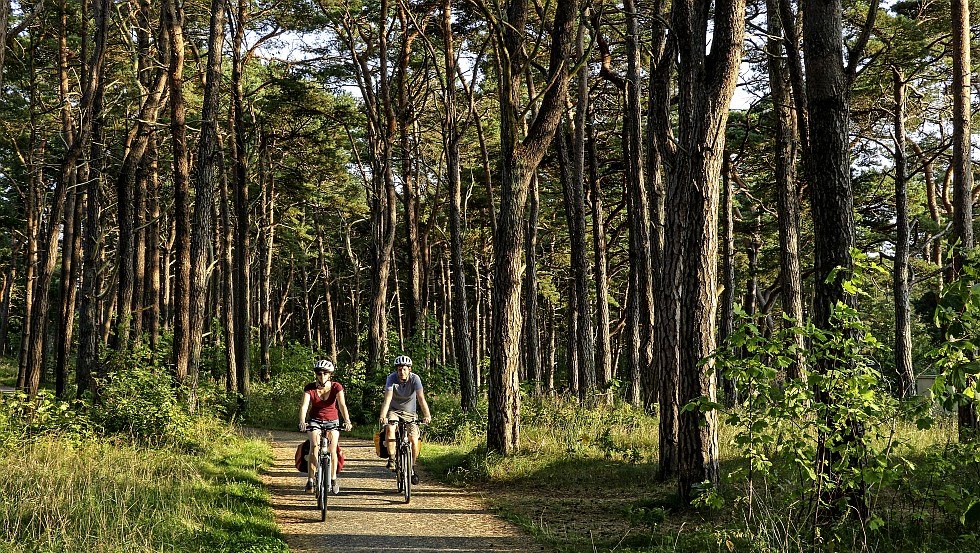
957,316
842,409
138,397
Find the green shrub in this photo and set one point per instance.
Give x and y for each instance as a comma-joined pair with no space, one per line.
138,397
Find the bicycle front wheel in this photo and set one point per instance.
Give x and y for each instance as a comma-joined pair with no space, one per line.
406,475
326,472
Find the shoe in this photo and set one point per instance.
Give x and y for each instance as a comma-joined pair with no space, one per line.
336,487
309,485
391,465
415,478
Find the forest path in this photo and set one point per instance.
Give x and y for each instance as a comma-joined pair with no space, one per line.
369,514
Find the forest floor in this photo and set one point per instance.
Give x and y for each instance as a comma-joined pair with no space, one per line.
369,514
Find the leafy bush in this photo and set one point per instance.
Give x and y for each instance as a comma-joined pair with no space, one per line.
24,418
842,409
138,397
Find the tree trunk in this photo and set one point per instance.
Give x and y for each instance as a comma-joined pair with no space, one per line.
705,90
210,167
518,161
603,342
228,285
584,338
831,198
726,321
903,331
461,325
243,324
181,183
787,146
532,347
639,216
969,422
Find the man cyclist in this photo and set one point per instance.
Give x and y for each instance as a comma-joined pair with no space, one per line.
322,402
403,396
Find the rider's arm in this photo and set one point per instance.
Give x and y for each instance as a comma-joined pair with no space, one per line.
304,407
426,416
342,405
383,417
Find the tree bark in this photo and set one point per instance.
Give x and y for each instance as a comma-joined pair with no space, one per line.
707,82
903,331
181,183
603,342
461,325
210,166
969,422
243,324
518,162
787,147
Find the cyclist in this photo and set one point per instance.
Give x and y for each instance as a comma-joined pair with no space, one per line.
403,396
322,402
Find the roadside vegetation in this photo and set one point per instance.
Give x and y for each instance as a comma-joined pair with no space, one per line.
587,480
134,472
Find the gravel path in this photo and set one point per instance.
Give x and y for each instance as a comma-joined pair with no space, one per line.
369,514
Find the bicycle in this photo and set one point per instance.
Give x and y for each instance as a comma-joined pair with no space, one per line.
321,486
403,457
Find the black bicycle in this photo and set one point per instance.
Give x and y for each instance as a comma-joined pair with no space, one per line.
322,484
403,457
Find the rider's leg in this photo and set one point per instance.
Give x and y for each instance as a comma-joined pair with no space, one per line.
390,433
334,437
314,452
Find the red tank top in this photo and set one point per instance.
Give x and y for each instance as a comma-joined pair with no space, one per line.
325,409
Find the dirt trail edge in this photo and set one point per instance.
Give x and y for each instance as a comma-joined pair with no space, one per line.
369,514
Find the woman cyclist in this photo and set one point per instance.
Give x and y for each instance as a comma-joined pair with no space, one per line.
319,411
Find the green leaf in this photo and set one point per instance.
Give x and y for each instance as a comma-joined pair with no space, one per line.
971,517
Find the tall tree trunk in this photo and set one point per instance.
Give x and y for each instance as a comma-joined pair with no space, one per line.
903,330
228,286
207,179
969,422
787,146
266,249
603,343
243,324
461,324
584,338
181,180
532,347
832,204
639,215
152,292
726,319
87,362
518,161
705,90
9,286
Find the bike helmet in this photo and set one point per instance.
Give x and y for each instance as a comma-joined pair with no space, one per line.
323,365
403,360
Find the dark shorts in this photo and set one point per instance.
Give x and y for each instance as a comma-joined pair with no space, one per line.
317,424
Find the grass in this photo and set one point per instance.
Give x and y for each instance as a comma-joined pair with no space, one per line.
8,372
586,481
103,495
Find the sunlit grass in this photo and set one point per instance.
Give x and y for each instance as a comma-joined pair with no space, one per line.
586,479
95,496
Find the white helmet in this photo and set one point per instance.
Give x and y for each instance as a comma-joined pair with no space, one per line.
323,365
403,360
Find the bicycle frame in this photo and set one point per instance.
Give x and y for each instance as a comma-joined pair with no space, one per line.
404,458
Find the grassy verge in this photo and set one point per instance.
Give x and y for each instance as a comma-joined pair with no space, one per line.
587,482
8,372
89,495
